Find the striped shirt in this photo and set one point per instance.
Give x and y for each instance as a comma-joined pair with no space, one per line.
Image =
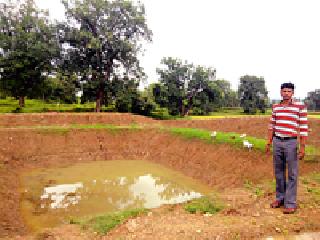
289,120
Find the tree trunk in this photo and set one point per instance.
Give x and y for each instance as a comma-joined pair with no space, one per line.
182,109
100,92
186,109
99,99
21,101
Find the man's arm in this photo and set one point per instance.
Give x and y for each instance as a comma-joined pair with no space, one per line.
270,131
303,130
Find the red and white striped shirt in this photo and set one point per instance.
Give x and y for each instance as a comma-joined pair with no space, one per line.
289,120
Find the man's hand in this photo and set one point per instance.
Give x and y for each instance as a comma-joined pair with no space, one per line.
268,148
301,152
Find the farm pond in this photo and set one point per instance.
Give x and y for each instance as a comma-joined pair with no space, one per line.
53,196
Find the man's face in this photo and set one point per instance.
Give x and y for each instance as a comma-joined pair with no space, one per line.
286,93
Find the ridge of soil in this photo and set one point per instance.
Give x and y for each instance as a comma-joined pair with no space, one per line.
54,118
252,126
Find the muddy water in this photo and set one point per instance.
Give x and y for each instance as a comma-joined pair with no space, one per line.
54,196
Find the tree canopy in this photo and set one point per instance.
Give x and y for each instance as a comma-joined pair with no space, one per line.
28,48
101,41
253,94
183,86
313,100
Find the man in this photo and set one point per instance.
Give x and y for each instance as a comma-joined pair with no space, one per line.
288,121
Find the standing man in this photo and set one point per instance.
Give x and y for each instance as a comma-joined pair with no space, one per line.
288,122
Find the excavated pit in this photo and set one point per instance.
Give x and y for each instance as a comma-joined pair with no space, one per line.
22,149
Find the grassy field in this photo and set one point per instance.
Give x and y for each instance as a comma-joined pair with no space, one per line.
10,105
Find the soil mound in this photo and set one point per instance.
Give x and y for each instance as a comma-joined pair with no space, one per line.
44,119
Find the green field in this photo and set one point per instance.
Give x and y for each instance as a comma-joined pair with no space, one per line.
10,105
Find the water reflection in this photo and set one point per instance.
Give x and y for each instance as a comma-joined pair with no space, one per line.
143,191
61,196
150,190
52,196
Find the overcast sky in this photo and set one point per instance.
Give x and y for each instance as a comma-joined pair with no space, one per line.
276,39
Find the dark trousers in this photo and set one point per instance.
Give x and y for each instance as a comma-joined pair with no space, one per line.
285,155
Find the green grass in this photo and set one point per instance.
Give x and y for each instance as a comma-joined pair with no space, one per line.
258,190
10,105
205,204
58,129
315,177
191,133
104,223
221,137
83,126
312,184
315,191
312,153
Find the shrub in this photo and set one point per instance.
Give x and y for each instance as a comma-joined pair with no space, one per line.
203,205
161,113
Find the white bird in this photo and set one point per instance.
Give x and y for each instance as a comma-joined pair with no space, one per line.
247,144
213,134
243,135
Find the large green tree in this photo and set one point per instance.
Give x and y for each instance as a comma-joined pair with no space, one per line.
313,100
174,76
182,85
253,94
225,96
101,41
28,47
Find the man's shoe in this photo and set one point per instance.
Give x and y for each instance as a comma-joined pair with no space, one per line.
276,204
289,210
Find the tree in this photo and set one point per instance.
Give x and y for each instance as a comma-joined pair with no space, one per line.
101,39
174,76
313,100
181,84
225,96
252,93
61,87
28,47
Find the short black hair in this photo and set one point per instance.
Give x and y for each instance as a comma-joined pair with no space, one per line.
287,85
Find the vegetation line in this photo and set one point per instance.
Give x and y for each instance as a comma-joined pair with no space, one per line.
191,133
104,223
230,138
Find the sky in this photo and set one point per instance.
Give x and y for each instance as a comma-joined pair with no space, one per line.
275,39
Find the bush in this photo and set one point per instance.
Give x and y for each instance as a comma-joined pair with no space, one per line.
83,109
203,205
161,113
197,111
18,110
103,224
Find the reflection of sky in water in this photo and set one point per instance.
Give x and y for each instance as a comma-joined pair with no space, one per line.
53,196
145,190
61,196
